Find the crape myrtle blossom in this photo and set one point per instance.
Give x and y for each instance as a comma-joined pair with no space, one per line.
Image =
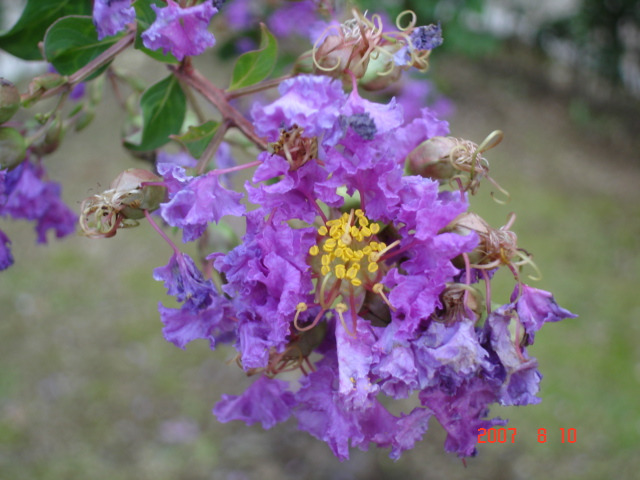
181,31
25,194
347,258
112,16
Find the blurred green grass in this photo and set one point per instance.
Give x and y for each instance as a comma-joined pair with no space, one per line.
89,388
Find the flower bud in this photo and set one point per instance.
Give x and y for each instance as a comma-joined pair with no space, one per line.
9,100
337,54
51,140
12,148
133,197
381,71
432,158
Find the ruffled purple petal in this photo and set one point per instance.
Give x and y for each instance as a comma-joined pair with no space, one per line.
112,16
181,31
266,401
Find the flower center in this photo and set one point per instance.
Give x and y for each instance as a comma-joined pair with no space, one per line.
347,262
349,251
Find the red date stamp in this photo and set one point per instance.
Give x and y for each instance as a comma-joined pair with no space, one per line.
508,435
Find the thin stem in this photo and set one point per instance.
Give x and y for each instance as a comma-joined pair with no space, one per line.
155,226
212,148
259,87
218,99
102,59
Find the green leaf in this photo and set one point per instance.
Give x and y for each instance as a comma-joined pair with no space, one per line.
145,16
163,109
254,66
22,40
197,138
72,42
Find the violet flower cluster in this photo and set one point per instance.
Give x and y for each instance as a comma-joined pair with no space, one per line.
345,273
26,194
361,265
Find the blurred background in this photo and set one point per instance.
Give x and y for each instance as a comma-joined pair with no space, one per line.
90,389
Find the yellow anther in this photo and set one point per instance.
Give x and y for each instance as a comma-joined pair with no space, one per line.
349,253
356,282
373,245
335,231
366,250
325,270
340,271
359,213
365,231
353,271
363,221
375,228
379,289
372,267
345,216
341,307
354,230
301,307
359,254
325,260
314,250
373,257
359,237
323,230
338,252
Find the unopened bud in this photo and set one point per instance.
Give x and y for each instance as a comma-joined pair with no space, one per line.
337,54
135,197
9,100
432,158
12,148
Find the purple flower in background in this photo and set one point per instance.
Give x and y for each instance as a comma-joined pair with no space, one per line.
112,16
6,259
181,31
25,195
426,37
293,18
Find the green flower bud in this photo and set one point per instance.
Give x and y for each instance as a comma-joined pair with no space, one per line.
9,100
12,148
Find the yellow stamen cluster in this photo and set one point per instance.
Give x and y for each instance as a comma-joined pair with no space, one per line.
346,247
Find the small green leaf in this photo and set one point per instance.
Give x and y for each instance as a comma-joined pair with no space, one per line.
163,109
254,66
22,40
72,42
145,16
197,138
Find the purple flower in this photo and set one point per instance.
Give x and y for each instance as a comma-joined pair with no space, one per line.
461,413
535,308
181,31
112,16
311,102
426,37
6,259
184,281
194,202
212,322
293,18
27,196
266,401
